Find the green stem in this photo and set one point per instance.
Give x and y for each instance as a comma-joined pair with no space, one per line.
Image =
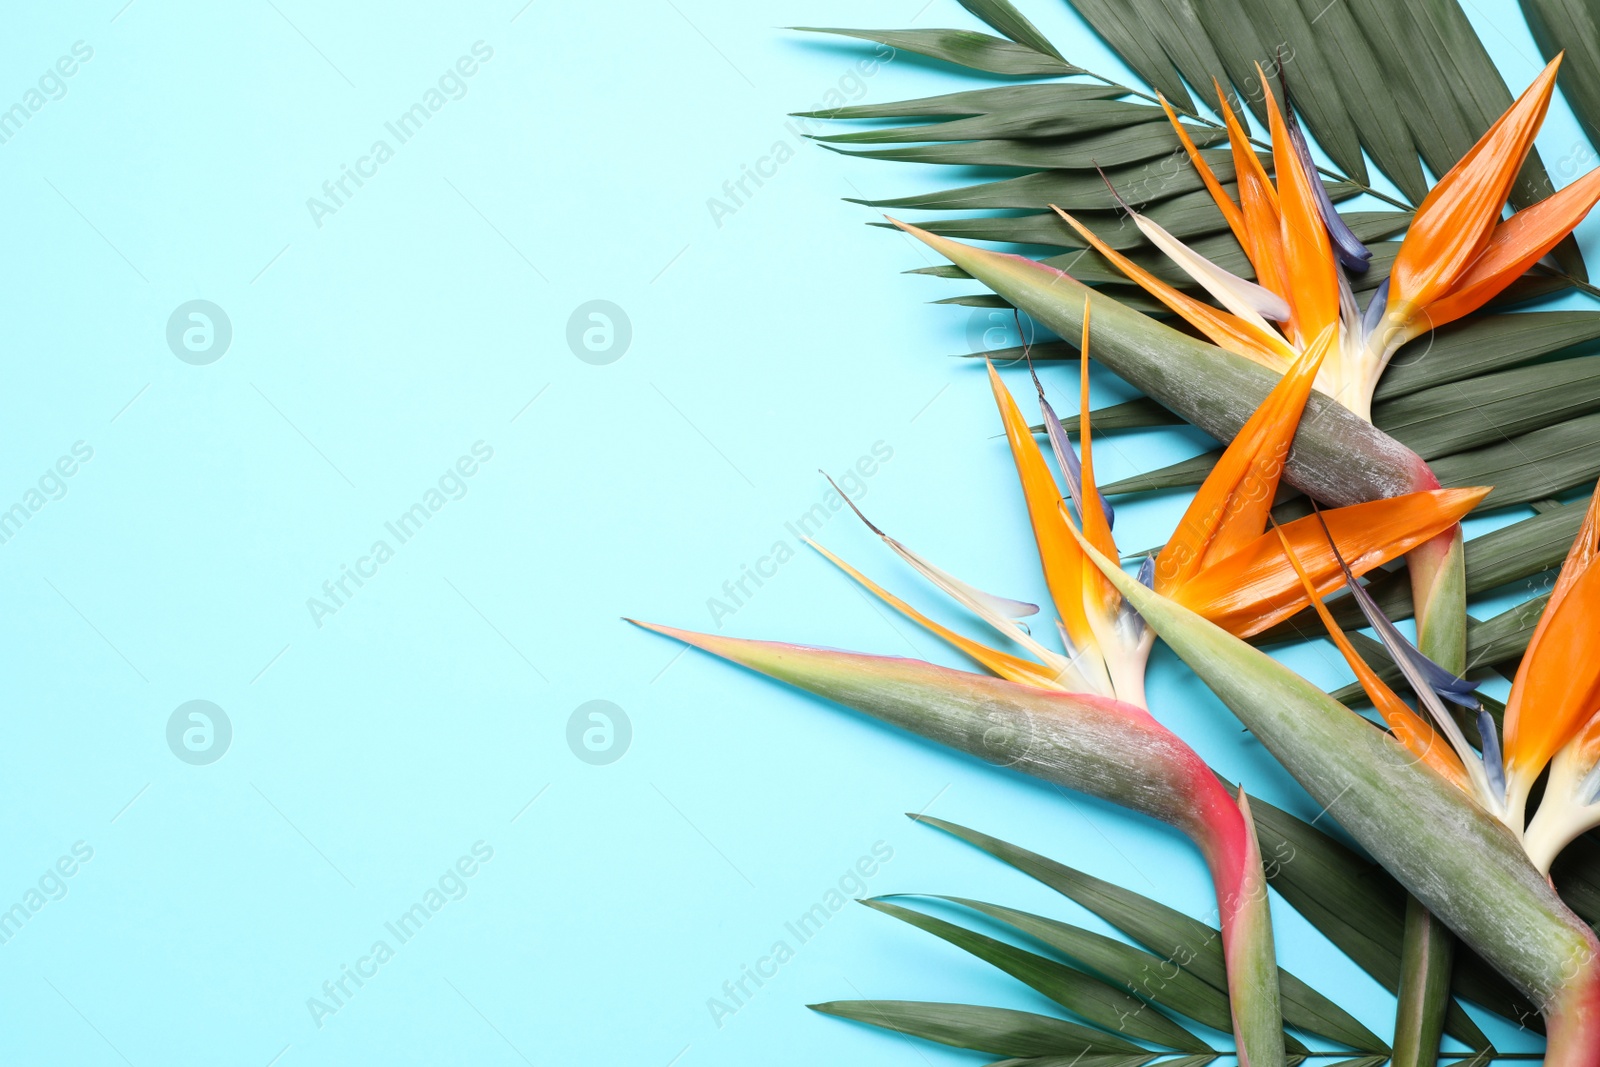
1577,283
1427,951
1254,998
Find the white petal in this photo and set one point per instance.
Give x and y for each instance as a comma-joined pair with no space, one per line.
1246,299
984,605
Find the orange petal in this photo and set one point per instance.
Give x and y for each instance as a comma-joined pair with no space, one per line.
1311,273
1258,202
1558,684
1453,225
1579,556
1230,210
1409,728
1516,244
1231,506
1222,328
1557,687
1059,554
1256,587
1095,526
1582,552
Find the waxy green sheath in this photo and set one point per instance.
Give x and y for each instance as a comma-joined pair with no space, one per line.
1338,457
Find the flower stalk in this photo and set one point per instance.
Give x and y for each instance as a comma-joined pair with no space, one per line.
1427,951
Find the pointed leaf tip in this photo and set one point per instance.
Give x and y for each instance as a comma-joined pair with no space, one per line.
655,627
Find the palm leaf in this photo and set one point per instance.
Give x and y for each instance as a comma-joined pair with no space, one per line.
1072,190
1473,83
1457,416
975,102
1532,466
1292,42
999,1031
1110,148
1044,120
1126,31
1003,16
1184,39
1170,932
1577,875
1373,105
1133,968
977,51
1573,27
1083,994
1482,344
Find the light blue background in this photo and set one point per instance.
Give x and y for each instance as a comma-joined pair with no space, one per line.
367,355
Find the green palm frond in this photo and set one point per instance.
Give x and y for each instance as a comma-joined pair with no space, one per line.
1138,1001
1573,27
1400,81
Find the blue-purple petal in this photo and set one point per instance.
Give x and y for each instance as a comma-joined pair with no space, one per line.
1375,309
1347,247
1493,765
1147,578
1410,659
1446,683
1067,459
